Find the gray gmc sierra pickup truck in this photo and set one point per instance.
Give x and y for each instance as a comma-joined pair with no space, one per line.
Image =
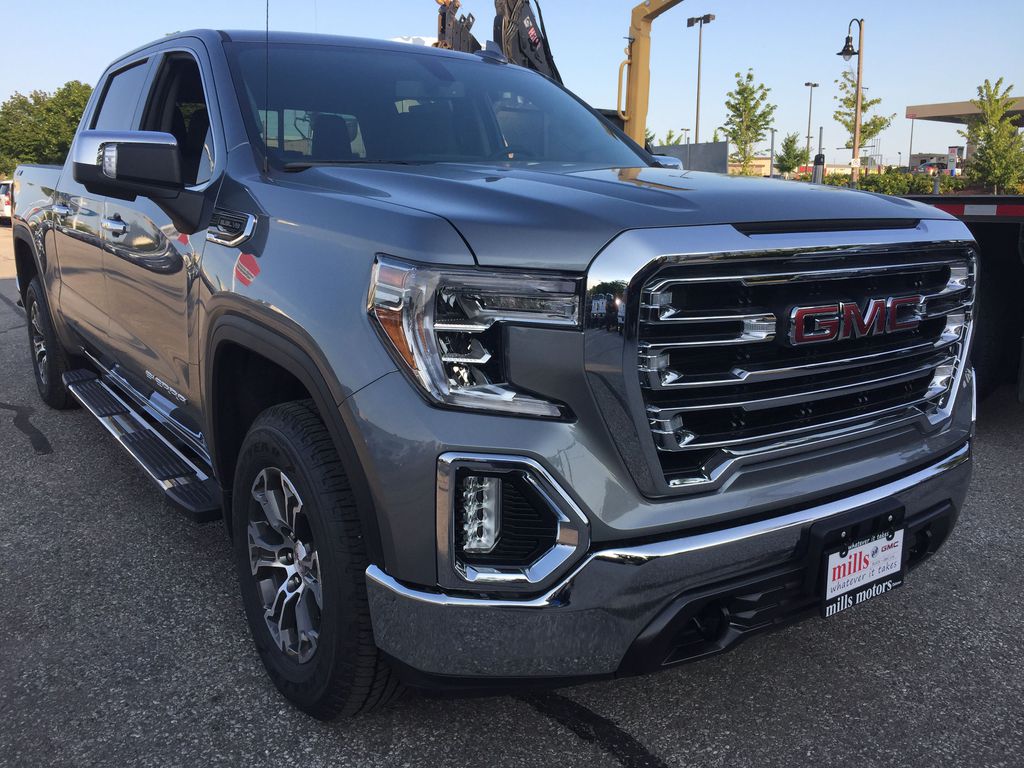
485,394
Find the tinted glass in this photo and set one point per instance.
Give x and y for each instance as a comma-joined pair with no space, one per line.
120,99
178,106
351,105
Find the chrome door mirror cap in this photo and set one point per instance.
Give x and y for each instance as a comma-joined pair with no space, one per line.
125,164
667,161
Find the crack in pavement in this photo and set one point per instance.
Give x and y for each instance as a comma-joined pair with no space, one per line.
22,421
594,728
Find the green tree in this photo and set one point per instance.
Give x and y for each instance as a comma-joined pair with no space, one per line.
40,127
749,116
649,138
870,127
998,157
791,154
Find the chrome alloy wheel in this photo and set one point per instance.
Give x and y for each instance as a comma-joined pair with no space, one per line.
285,564
38,342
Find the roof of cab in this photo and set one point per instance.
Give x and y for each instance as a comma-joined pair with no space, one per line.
214,36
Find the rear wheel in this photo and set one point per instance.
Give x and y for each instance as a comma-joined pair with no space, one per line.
49,359
301,564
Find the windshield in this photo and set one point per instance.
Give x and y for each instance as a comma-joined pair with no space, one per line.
334,104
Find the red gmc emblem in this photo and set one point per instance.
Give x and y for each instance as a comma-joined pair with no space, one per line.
845,320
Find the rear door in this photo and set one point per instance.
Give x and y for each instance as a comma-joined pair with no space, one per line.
151,268
79,214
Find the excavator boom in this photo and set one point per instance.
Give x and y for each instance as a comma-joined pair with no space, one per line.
637,67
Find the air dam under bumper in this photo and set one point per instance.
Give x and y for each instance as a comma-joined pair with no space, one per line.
586,624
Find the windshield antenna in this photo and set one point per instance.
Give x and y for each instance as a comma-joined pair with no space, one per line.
266,97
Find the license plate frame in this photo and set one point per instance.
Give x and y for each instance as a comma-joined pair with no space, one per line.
836,532
867,568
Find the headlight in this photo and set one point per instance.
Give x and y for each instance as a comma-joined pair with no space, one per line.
444,326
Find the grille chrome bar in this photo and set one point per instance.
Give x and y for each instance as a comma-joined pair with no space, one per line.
798,275
760,404
656,372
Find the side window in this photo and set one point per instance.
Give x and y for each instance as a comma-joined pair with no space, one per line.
120,98
177,105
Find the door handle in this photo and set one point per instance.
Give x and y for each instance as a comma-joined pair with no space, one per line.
116,227
60,211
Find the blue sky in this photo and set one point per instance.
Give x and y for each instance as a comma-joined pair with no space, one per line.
916,51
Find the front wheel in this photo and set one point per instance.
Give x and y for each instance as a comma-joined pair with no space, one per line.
301,564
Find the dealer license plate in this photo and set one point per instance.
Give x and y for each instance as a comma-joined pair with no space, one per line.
868,568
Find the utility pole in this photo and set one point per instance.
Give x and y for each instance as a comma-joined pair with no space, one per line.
810,101
699,22
847,53
771,157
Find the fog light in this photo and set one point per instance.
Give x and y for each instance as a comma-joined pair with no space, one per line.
481,513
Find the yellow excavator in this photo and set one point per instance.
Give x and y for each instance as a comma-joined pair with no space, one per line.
637,68
523,40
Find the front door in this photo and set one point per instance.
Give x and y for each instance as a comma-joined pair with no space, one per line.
151,268
79,216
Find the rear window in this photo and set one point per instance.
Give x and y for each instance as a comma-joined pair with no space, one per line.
336,104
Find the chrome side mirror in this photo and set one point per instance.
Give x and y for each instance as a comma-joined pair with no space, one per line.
125,164
667,161
130,164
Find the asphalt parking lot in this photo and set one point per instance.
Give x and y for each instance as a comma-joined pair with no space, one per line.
122,641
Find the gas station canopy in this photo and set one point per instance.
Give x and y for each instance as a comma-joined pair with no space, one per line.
958,112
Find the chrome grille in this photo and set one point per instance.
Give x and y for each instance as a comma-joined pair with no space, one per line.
721,378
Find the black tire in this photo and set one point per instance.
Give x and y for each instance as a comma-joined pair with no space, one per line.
346,673
51,362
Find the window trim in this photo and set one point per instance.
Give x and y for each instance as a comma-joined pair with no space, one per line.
212,105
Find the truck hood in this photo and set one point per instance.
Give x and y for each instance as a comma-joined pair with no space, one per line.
539,218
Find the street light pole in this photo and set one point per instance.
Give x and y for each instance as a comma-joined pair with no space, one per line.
699,21
847,53
810,101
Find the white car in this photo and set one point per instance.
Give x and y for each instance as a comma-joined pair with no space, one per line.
5,200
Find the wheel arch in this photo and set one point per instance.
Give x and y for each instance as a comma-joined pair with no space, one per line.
27,262
281,348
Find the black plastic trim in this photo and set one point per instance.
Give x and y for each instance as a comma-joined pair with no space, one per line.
275,346
822,225
797,583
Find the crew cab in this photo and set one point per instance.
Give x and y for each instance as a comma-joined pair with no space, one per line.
482,393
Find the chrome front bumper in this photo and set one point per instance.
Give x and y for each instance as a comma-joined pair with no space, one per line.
586,623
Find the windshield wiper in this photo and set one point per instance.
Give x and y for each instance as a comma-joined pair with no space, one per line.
301,165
